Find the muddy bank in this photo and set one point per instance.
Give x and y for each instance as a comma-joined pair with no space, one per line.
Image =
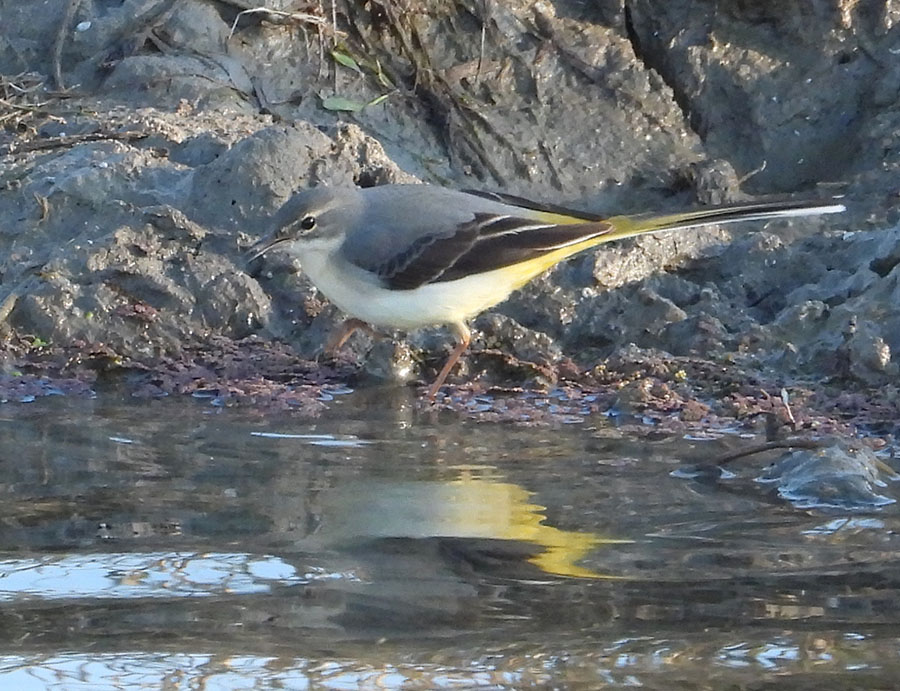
145,143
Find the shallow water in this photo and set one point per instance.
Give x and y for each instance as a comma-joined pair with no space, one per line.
176,544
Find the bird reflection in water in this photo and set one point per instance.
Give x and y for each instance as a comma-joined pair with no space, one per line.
477,504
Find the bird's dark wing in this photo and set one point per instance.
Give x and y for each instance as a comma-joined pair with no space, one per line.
486,243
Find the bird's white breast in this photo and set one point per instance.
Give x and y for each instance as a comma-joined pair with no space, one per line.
360,294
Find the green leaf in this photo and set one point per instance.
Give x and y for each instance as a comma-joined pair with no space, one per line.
381,76
345,60
341,104
378,99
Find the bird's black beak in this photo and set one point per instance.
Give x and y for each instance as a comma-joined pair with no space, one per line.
264,245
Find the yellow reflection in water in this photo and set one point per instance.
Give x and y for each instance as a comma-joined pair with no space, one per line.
503,510
477,504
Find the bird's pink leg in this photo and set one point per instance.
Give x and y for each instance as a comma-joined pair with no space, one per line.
464,337
339,336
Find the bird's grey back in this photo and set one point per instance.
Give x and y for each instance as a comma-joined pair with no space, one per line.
396,217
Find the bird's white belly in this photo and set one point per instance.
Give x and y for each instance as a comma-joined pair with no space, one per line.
358,293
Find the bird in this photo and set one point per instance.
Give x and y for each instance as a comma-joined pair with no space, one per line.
408,256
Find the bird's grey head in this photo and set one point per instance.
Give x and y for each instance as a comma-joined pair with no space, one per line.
317,214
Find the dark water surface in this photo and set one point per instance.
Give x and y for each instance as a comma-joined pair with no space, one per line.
175,544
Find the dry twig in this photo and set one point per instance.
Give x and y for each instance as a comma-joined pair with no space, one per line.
62,32
769,446
22,97
72,139
302,17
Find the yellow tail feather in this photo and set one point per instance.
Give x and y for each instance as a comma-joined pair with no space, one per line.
628,226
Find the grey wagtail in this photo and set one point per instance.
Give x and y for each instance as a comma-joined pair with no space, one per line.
410,256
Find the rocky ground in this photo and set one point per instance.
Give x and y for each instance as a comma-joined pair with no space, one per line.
145,143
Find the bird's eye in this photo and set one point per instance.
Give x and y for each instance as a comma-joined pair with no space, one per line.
308,223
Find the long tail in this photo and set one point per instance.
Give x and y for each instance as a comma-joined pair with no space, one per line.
628,226
539,249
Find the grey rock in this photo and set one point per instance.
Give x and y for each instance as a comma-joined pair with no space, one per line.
843,475
126,206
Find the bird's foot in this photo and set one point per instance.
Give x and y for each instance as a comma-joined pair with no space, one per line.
342,333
